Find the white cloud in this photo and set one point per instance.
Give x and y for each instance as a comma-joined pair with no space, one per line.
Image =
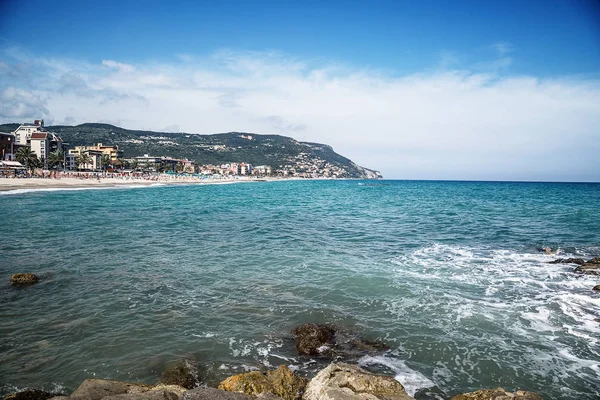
468,123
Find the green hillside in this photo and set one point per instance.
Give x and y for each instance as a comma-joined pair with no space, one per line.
273,150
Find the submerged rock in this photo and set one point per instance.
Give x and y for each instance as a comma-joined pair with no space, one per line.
30,394
326,341
313,339
281,382
578,261
497,394
181,373
341,381
23,279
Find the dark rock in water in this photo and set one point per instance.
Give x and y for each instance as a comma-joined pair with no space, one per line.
328,342
206,393
497,394
578,261
591,267
96,389
313,339
30,394
23,279
182,373
341,381
597,287
281,382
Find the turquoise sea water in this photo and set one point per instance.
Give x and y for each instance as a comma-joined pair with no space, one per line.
446,273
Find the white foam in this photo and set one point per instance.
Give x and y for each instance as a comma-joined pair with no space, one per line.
411,380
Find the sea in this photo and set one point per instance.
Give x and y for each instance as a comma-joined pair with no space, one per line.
448,274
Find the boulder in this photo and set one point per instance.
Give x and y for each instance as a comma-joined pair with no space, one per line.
497,394
30,394
23,279
578,261
150,395
206,393
181,373
96,389
313,339
341,381
281,382
597,287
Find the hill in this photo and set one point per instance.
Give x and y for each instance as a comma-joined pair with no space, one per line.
279,152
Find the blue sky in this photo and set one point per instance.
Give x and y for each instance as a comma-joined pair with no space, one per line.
417,89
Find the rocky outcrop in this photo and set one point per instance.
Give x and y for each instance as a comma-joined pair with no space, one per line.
96,389
281,382
591,267
23,279
341,381
578,261
30,394
497,394
206,393
326,341
181,373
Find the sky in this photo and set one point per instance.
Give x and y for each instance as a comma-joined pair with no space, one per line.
432,89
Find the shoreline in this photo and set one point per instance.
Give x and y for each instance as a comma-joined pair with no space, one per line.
42,184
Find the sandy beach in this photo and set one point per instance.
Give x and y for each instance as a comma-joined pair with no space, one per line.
11,184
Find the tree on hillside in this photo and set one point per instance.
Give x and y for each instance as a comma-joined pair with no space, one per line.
83,159
27,157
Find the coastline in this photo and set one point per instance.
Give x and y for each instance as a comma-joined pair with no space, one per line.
10,184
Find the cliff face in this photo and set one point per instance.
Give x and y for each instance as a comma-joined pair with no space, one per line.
278,152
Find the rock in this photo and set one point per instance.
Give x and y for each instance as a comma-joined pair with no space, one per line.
591,267
313,339
96,389
578,261
597,287
206,393
497,394
30,394
328,342
150,395
341,381
23,279
282,382
182,373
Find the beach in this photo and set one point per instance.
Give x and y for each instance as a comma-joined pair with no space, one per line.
9,184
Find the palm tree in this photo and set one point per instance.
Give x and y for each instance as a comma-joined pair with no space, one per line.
27,157
133,164
105,162
83,159
56,158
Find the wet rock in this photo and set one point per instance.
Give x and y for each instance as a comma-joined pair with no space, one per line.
23,279
597,287
181,373
497,394
96,389
341,381
591,267
30,394
578,261
313,339
281,382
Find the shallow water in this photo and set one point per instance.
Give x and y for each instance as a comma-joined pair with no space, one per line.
446,273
